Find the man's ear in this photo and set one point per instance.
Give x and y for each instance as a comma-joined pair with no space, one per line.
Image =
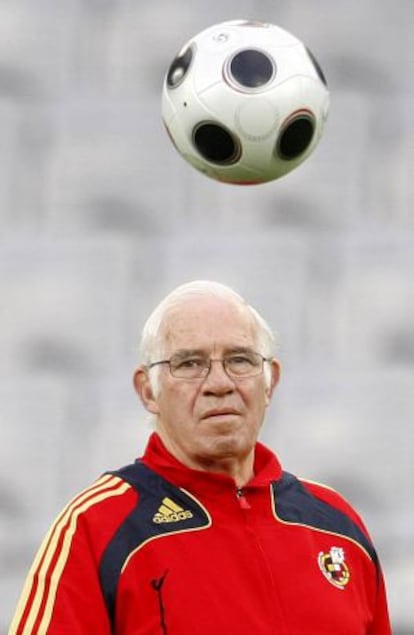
142,385
274,379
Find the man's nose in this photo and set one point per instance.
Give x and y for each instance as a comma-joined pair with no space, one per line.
217,380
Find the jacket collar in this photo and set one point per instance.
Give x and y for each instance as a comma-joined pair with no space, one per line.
266,469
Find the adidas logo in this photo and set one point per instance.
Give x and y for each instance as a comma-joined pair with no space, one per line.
170,512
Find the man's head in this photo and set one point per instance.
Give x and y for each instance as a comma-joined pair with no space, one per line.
208,413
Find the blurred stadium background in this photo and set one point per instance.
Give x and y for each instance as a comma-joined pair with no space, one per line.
100,217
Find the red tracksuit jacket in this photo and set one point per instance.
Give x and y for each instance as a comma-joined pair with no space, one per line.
158,549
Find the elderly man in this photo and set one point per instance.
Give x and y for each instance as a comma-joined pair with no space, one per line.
205,533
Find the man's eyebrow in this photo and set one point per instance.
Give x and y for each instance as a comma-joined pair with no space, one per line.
182,353
239,349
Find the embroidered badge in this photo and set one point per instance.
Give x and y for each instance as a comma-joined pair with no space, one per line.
170,512
334,567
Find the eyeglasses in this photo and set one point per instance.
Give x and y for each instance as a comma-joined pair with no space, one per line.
236,365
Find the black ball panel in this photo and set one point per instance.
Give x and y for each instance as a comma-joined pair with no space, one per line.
317,67
216,144
251,68
295,137
179,67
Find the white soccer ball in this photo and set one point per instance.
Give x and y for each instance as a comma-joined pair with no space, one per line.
245,102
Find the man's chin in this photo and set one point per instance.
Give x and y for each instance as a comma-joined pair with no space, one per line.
227,443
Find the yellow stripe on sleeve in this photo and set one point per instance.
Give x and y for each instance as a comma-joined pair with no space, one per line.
64,526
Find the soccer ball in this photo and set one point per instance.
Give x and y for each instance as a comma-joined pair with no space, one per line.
245,102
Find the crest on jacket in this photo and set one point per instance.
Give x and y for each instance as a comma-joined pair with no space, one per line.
334,567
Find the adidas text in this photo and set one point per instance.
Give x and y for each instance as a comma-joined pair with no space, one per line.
172,518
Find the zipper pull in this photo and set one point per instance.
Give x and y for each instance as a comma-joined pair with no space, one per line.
244,503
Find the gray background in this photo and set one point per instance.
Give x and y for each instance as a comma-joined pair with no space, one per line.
100,217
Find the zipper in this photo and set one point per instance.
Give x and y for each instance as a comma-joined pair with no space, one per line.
157,585
243,502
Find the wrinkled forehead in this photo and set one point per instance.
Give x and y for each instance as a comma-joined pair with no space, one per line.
208,323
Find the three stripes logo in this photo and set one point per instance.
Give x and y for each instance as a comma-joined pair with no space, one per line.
170,512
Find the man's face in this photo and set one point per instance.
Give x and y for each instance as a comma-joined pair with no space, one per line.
216,418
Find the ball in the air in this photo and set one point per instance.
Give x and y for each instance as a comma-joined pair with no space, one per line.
245,102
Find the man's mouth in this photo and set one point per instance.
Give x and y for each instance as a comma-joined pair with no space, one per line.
219,413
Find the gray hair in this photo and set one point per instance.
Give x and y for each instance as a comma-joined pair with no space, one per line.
151,345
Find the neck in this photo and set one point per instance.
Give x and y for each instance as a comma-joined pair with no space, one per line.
237,465
241,471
